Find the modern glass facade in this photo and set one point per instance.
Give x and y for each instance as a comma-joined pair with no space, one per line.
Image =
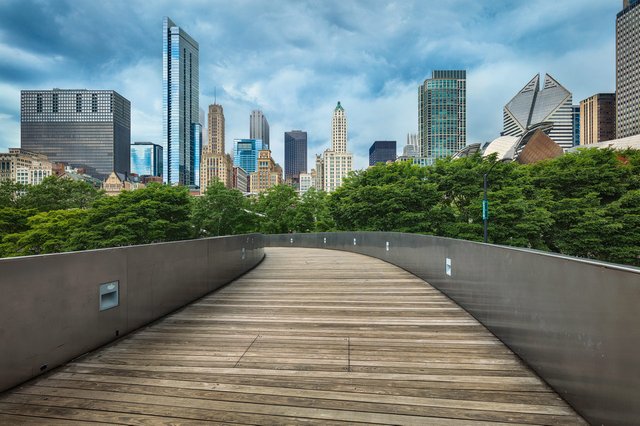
146,159
575,114
442,113
628,70
381,152
259,127
295,154
180,106
89,129
532,106
245,154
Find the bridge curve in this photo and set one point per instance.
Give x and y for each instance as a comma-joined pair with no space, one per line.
310,335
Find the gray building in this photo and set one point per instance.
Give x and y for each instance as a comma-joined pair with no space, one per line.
381,152
628,70
295,154
575,117
259,128
181,127
533,106
146,159
88,129
442,113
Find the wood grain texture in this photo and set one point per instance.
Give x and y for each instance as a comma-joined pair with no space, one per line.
308,337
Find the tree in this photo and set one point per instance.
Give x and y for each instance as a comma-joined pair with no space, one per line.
395,197
312,213
56,193
153,214
222,211
48,232
278,205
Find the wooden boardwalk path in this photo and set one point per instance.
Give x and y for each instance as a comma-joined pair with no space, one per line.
309,336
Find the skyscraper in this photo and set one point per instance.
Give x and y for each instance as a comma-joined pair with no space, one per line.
259,128
412,148
381,152
295,154
215,163
628,70
598,118
442,113
575,117
182,134
146,159
532,106
336,162
245,154
88,129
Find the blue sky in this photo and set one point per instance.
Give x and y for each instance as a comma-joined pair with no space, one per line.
296,59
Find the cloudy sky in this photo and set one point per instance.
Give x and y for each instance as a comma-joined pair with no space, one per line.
296,59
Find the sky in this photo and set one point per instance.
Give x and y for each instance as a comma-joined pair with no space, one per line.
294,60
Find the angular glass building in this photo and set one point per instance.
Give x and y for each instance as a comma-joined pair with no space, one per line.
146,159
181,127
532,106
88,129
442,113
245,154
295,154
381,152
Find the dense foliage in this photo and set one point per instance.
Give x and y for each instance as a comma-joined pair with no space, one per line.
584,204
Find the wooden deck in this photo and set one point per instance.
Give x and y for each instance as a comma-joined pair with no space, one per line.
309,336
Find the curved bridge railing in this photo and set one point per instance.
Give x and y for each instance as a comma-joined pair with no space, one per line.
576,322
59,306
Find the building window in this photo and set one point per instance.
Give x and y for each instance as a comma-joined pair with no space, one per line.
39,102
78,103
55,102
94,102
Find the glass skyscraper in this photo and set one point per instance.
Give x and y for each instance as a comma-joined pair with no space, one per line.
381,152
442,113
295,154
88,129
146,159
259,127
245,154
182,132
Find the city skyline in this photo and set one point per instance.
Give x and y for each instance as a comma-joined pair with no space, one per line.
294,77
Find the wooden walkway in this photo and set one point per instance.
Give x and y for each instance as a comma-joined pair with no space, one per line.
309,336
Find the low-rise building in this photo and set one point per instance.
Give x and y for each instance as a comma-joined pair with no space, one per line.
118,182
25,167
240,180
307,181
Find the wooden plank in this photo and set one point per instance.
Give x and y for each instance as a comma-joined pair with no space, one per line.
309,336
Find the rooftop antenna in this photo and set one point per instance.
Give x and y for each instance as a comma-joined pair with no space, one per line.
215,95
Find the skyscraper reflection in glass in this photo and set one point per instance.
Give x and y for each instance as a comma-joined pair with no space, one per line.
146,159
180,106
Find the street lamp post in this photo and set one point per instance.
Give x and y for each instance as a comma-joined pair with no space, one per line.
485,203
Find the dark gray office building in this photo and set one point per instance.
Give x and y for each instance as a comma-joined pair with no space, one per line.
381,152
295,154
83,128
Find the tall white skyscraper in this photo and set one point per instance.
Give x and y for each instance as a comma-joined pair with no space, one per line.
337,162
259,128
181,127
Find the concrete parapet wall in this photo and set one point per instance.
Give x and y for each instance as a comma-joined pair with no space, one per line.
50,307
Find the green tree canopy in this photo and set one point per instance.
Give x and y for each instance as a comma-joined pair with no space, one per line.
222,211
